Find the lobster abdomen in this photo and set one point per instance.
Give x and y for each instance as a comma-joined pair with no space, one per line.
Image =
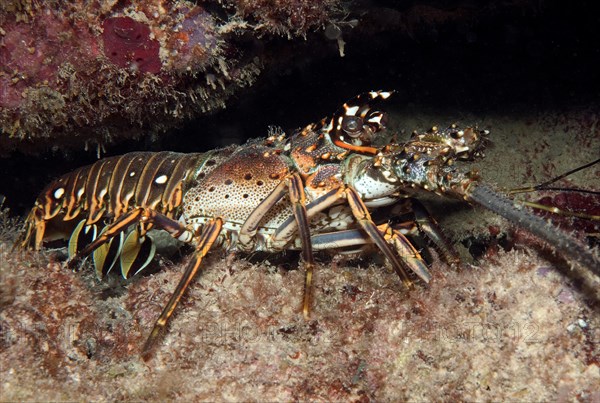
112,186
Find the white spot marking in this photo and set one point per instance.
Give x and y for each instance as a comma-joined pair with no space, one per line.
351,110
132,173
375,119
161,180
80,193
185,237
58,193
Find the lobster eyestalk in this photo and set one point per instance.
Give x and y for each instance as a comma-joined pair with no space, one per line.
564,243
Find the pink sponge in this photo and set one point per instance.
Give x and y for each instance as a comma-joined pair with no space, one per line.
127,44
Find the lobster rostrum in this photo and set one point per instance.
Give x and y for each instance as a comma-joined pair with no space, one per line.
313,190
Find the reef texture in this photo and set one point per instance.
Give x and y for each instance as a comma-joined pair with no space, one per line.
520,325
75,74
513,328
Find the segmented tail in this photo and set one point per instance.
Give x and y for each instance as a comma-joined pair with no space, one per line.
564,243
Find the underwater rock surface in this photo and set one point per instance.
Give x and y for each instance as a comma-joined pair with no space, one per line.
79,74
510,328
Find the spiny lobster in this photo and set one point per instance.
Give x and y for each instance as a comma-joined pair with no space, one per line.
313,190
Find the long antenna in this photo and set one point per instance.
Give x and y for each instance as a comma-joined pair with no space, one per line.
544,186
555,210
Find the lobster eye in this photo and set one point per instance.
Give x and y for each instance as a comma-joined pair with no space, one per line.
352,125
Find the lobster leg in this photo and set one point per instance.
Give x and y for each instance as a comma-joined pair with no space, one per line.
288,228
410,255
137,215
295,189
361,213
298,199
209,235
432,231
250,226
403,246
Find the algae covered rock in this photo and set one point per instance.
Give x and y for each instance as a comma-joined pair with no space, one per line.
75,74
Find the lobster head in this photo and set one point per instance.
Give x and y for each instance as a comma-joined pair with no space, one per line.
428,160
380,167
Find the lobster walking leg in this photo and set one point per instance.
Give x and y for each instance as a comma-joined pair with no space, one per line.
295,189
137,215
361,213
410,255
428,226
298,199
209,235
287,229
355,237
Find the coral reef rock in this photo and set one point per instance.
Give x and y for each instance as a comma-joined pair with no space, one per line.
75,74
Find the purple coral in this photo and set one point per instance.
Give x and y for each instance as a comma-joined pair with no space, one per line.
127,43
